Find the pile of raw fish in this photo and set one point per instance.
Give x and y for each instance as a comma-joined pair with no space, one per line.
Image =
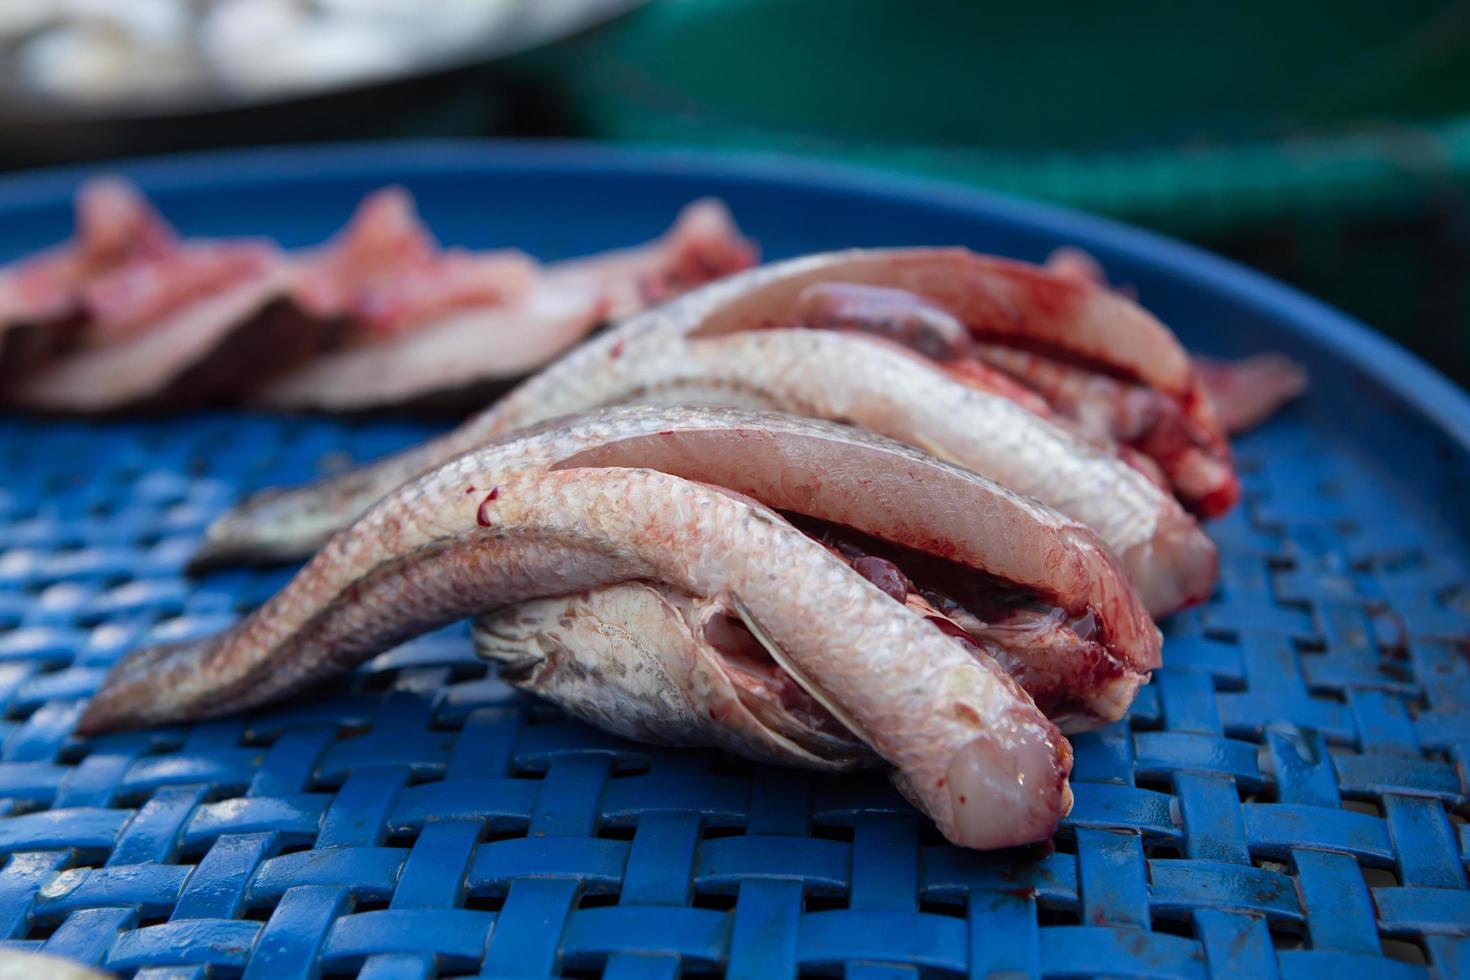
128,315
916,508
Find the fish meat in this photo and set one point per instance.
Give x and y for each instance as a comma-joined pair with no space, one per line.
1251,390
187,356
673,354
1244,393
703,245
447,325
691,500
461,350
41,304
1082,348
128,315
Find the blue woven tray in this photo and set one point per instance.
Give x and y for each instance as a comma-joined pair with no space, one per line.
1287,797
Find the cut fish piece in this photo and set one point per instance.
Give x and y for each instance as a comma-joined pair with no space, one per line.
188,356
127,315
1249,391
703,245
42,313
439,326
387,275
468,347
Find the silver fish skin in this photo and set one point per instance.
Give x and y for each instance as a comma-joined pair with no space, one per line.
966,742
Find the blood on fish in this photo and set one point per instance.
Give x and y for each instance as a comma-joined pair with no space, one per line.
469,489
892,314
1218,501
1050,295
482,516
885,575
950,628
616,351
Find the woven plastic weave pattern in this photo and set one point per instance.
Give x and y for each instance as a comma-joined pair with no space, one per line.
1286,798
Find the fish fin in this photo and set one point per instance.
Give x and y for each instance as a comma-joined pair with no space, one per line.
242,534
787,664
513,652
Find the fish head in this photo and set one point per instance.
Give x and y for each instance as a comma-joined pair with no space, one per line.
655,664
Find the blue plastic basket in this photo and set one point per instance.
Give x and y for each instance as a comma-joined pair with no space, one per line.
1287,797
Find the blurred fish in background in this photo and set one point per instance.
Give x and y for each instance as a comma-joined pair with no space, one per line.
90,79
101,52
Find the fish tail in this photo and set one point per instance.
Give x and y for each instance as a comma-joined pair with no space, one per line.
271,526
152,686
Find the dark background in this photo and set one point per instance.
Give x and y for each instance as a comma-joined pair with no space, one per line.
1328,145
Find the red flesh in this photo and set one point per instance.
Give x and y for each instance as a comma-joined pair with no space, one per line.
387,273
951,597
1177,432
